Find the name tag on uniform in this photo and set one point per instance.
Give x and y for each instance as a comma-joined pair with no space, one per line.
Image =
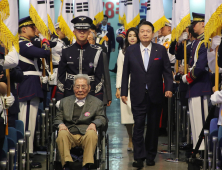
70,62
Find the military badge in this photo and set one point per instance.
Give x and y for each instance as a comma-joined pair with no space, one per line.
82,18
87,114
167,39
91,65
70,62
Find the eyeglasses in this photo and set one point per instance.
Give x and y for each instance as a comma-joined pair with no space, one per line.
83,87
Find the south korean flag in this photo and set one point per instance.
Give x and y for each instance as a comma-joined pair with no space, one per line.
132,13
81,8
51,15
38,14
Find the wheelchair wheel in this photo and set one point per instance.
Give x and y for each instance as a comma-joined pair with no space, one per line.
107,152
52,153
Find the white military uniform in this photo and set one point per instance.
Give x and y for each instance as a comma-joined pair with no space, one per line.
166,40
56,56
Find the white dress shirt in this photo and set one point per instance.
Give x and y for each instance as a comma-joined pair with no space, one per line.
80,102
104,28
142,49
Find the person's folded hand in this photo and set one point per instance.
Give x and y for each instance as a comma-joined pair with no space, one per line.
92,126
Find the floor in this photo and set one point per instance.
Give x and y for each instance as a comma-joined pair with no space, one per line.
120,158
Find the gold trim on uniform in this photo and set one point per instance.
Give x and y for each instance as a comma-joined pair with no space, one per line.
198,19
201,36
26,23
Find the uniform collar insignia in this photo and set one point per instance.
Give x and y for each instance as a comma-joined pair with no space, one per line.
24,39
201,36
82,46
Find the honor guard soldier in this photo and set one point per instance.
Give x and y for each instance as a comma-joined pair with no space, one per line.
37,41
166,40
80,58
29,90
16,75
56,55
198,79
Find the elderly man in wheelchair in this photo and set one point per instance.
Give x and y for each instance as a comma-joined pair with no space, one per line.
77,119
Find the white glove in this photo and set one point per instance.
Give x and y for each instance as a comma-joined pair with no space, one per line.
184,78
9,100
44,79
184,36
57,104
216,98
52,76
215,41
41,36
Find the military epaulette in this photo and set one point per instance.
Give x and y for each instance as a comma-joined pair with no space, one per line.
64,47
95,47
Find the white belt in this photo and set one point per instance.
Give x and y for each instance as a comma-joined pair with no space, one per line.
33,73
71,77
28,61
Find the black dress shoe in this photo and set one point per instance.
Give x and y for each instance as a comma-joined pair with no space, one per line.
186,146
36,165
150,163
138,164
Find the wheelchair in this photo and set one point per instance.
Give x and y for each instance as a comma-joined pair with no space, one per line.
101,155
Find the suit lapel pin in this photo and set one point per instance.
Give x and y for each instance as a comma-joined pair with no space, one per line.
87,114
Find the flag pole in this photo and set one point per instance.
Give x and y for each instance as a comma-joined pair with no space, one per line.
177,63
216,71
8,92
43,64
50,62
185,56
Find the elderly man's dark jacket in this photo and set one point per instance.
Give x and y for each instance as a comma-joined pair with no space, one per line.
92,105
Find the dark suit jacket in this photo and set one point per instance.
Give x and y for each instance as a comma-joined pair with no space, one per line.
111,36
92,105
158,68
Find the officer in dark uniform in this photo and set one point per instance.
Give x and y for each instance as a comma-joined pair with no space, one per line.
198,80
29,90
80,58
36,41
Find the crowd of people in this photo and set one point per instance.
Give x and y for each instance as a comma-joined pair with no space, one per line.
146,76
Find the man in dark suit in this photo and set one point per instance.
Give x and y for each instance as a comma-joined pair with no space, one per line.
147,63
110,34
